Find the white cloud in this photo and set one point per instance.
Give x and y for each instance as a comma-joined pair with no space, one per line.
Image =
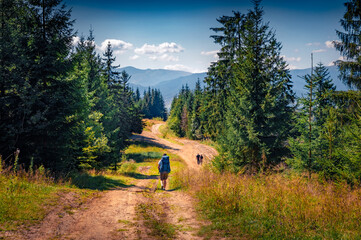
118,46
75,40
161,52
319,50
292,67
313,44
134,57
162,48
180,67
329,44
297,50
341,58
291,59
210,53
164,57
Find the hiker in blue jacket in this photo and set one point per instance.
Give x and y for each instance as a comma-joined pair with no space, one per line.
164,170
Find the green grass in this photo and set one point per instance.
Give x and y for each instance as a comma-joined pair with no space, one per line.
168,134
146,157
99,182
23,201
155,219
25,198
210,143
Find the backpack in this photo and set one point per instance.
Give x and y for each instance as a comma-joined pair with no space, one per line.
165,164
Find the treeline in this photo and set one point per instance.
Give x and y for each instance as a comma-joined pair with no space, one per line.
64,106
185,115
152,104
249,108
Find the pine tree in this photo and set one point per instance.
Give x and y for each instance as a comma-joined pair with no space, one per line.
45,133
324,88
94,145
13,85
219,74
196,127
314,123
153,104
350,43
260,99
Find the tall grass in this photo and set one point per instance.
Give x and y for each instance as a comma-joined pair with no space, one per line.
24,196
275,206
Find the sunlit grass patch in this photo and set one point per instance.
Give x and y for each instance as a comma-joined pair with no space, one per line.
23,201
168,134
275,206
147,156
99,181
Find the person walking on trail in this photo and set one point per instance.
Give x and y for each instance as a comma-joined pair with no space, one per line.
198,158
164,170
201,159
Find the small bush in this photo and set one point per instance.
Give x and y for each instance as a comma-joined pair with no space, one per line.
128,168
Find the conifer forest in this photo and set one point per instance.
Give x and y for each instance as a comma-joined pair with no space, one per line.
249,108
67,107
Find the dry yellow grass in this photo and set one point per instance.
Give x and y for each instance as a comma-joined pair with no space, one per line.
148,123
276,206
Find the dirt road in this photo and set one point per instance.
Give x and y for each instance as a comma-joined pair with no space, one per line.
114,214
187,150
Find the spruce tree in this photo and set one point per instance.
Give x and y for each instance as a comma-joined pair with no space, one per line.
315,121
46,133
94,146
219,73
260,99
196,127
349,45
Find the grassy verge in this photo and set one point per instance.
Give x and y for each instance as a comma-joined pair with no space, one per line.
275,206
153,214
168,134
23,201
210,143
26,197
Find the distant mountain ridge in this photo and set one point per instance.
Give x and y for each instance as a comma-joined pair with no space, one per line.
151,77
169,82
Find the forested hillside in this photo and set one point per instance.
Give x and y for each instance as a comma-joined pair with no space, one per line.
62,106
249,107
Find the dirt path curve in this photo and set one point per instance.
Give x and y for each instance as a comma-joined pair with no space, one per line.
113,214
187,150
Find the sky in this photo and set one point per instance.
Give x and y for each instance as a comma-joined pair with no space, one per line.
173,34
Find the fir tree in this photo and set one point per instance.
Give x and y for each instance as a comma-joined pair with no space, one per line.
257,123
314,123
196,127
219,74
349,46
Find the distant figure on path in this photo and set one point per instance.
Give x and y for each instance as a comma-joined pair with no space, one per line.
198,158
164,170
201,159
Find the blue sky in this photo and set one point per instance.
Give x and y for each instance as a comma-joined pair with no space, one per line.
175,34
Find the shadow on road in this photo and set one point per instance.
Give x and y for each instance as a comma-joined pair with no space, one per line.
153,141
87,181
